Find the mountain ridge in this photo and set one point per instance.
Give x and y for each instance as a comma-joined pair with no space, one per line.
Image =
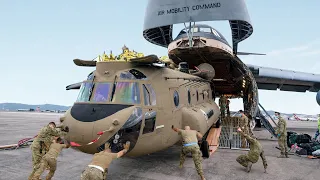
16,106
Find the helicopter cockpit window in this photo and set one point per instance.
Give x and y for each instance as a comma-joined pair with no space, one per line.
90,76
85,91
206,30
176,98
132,74
189,96
102,92
149,95
197,93
127,92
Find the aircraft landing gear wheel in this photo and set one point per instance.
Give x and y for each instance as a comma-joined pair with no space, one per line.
218,123
205,149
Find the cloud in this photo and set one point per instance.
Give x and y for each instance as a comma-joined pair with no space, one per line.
310,53
310,48
287,50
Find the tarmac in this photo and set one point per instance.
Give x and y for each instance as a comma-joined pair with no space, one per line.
17,164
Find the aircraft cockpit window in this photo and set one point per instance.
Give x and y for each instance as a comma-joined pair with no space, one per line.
176,98
189,96
85,92
197,93
149,95
102,92
127,92
90,76
216,33
194,29
132,74
205,29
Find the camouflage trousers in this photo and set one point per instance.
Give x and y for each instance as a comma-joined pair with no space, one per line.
196,155
46,161
222,112
245,159
243,139
282,141
91,173
36,157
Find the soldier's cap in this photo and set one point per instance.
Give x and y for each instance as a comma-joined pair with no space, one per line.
276,112
240,111
52,123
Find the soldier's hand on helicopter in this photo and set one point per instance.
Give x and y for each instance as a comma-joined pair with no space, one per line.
107,145
239,129
127,145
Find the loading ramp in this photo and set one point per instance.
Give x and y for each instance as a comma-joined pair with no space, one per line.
227,137
265,122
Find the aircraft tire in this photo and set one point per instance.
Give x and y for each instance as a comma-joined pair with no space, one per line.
205,149
218,123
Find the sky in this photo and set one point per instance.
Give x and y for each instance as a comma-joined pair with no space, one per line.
39,40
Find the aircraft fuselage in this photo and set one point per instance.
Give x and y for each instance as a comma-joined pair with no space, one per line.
138,104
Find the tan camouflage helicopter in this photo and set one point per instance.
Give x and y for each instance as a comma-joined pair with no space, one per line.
132,97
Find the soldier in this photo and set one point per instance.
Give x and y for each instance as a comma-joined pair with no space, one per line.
98,168
244,124
228,108
282,136
222,104
42,142
190,145
50,158
318,129
254,153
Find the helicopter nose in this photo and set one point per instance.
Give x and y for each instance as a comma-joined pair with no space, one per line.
90,127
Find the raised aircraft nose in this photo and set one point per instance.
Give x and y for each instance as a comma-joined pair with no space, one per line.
91,125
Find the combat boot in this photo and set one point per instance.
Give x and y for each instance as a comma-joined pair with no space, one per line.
281,156
249,166
287,156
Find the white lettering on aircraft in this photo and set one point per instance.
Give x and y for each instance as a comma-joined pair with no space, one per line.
188,8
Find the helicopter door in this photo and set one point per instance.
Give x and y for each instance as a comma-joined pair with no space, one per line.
176,116
151,121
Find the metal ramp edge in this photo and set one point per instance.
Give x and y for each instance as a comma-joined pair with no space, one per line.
266,122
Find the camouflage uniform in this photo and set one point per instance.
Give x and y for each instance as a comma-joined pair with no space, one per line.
244,122
282,136
101,160
253,154
190,136
49,159
222,104
318,130
41,144
228,109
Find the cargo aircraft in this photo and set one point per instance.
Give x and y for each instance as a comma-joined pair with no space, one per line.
139,98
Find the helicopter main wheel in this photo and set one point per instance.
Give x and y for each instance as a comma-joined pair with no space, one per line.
218,123
205,149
